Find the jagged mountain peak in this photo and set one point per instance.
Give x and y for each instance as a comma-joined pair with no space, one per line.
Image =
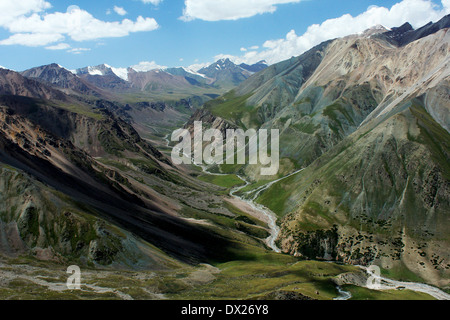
404,27
62,78
223,63
52,73
227,74
57,68
405,34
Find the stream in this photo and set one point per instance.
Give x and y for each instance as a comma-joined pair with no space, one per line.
269,214
382,283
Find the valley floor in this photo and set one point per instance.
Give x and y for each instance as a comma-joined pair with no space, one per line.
271,276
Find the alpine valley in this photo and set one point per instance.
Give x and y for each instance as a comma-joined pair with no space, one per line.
86,177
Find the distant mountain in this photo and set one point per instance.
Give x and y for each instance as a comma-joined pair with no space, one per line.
104,70
227,74
191,76
257,67
158,80
222,75
106,77
62,78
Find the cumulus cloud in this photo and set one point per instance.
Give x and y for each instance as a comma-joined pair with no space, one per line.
216,10
31,26
120,11
416,12
12,9
144,66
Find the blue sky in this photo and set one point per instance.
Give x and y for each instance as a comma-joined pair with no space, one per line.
187,32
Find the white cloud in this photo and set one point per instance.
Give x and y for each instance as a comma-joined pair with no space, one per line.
32,27
144,66
216,10
12,9
78,50
154,2
416,12
32,39
120,11
446,5
252,48
80,25
59,46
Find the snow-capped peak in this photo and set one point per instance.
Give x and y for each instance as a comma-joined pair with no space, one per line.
105,69
120,72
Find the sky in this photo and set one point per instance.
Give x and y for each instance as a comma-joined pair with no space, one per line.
149,34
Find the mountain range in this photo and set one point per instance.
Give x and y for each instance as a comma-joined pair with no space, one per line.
86,176
221,74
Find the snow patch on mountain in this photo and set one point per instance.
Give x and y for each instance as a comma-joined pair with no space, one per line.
193,72
93,71
121,73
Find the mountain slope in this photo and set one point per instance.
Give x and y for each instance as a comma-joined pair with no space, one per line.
257,67
100,170
389,177
368,120
324,95
12,83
